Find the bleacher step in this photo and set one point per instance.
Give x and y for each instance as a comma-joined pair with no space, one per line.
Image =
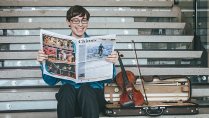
105,25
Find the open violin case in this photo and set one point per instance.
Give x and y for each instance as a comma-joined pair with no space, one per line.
164,97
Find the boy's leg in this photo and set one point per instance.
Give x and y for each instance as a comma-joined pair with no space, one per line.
66,98
90,101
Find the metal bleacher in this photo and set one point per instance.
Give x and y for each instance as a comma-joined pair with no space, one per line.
152,24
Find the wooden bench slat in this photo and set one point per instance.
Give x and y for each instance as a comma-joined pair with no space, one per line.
24,73
62,13
168,71
154,38
18,55
28,105
19,39
29,94
162,54
127,54
46,95
118,46
20,64
131,25
148,38
20,73
18,82
36,114
144,3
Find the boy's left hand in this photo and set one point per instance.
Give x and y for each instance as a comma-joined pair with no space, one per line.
113,57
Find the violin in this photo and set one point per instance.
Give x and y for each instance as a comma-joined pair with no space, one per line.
125,80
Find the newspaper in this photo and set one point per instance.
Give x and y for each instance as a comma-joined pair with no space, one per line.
78,60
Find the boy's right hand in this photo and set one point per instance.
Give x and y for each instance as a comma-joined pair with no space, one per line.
41,56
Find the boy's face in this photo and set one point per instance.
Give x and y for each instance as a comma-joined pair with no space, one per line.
78,26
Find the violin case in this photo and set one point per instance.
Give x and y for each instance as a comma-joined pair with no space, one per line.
164,97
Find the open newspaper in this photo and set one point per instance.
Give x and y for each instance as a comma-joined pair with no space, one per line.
78,60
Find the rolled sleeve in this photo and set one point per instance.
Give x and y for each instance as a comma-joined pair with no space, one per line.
49,79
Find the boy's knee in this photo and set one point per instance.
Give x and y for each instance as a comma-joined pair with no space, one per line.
66,88
65,92
86,91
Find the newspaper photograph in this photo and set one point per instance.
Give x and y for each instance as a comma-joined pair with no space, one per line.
78,60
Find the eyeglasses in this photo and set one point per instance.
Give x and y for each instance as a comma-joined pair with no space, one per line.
77,21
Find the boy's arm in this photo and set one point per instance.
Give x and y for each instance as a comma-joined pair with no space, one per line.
49,79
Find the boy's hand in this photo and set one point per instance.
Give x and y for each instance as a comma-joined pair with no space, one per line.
113,57
41,56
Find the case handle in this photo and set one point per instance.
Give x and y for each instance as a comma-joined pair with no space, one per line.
154,111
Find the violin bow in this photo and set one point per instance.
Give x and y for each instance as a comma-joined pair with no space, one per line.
140,75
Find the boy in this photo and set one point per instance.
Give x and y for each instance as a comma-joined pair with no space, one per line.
86,99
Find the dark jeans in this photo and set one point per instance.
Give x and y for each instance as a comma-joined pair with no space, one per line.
85,101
